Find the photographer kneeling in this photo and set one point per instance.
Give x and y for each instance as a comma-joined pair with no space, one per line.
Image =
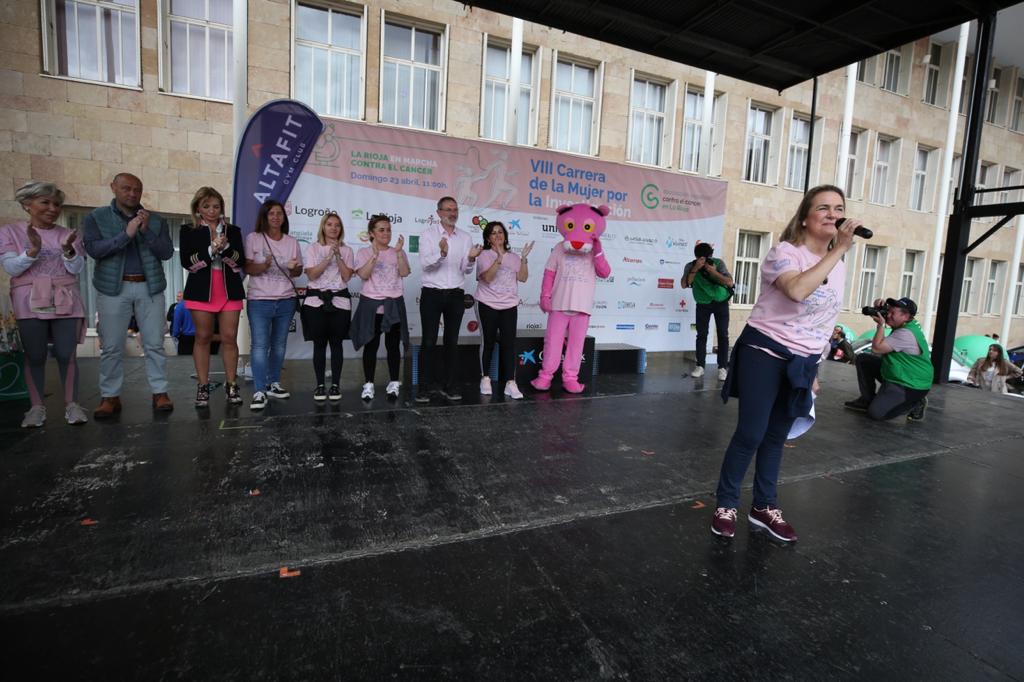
901,363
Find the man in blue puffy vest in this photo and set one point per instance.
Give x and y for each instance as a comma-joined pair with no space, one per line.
129,245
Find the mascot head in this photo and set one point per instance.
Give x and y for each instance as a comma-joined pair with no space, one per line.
580,225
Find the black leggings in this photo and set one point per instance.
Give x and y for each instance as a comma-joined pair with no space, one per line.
35,335
500,326
328,327
392,341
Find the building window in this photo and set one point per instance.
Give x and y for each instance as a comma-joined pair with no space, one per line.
1018,288
994,287
1011,178
411,76
799,151
922,188
693,131
647,131
986,179
329,46
761,140
954,180
197,51
992,100
883,173
750,248
574,113
1017,117
965,86
891,76
912,261
866,70
850,258
871,270
855,165
938,283
932,76
968,290
95,40
497,83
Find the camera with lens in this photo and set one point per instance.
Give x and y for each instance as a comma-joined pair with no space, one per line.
871,311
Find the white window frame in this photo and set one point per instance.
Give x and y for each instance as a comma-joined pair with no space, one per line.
768,142
795,176
992,108
1017,114
1011,178
747,270
933,77
867,70
693,124
872,275
50,52
922,183
911,275
1018,292
994,285
987,174
856,161
850,258
530,82
885,172
968,292
595,101
954,178
938,284
965,86
442,31
165,63
664,144
360,11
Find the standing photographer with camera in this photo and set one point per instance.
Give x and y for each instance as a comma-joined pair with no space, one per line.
712,288
901,363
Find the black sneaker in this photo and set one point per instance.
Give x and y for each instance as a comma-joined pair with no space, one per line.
203,395
421,397
234,395
451,394
320,393
860,405
334,393
916,413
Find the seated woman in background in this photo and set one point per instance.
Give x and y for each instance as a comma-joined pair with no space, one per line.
43,260
991,372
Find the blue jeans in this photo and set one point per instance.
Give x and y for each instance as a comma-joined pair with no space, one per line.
268,328
761,429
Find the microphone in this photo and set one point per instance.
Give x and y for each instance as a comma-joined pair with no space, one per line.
860,231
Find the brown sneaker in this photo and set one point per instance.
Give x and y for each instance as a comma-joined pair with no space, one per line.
162,403
770,519
108,407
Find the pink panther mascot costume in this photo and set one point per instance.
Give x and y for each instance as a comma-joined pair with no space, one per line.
567,294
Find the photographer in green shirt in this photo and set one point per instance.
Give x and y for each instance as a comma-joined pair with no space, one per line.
712,288
901,363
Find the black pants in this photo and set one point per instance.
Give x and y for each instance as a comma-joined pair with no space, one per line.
434,303
328,326
392,342
721,313
888,400
500,326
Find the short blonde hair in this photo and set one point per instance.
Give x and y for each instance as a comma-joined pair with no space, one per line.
206,193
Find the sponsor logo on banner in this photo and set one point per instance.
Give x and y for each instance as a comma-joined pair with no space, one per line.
607,280
600,305
675,326
627,305
641,241
533,325
429,220
655,306
528,357
663,261
682,306
549,230
627,259
666,283
513,225
673,243
596,326
472,325
624,327
363,214
635,281
651,327
295,209
649,196
608,237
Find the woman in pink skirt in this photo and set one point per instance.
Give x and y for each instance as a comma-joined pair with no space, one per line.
213,253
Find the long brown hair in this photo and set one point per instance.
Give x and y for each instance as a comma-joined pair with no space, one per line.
794,232
261,220
1002,365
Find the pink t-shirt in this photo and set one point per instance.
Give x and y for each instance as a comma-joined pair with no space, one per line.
384,281
802,326
49,262
502,292
574,280
330,279
274,284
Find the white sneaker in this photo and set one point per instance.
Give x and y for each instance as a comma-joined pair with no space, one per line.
512,391
34,418
276,390
723,372
259,401
74,414
697,372
367,391
485,385
392,389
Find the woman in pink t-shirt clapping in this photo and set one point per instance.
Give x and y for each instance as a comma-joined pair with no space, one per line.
381,304
498,274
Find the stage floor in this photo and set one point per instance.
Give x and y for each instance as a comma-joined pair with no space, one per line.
561,537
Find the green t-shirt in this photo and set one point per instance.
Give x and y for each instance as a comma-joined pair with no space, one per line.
705,289
912,371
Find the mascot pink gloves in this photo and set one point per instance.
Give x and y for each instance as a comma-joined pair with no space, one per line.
567,294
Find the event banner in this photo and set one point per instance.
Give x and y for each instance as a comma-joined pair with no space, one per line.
656,218
276,143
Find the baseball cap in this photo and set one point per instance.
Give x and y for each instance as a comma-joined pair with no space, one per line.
904,303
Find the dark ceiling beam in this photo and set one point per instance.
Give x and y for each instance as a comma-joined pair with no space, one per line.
693,23
812,26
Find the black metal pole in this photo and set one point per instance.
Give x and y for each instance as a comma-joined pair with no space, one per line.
810,136
959,232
